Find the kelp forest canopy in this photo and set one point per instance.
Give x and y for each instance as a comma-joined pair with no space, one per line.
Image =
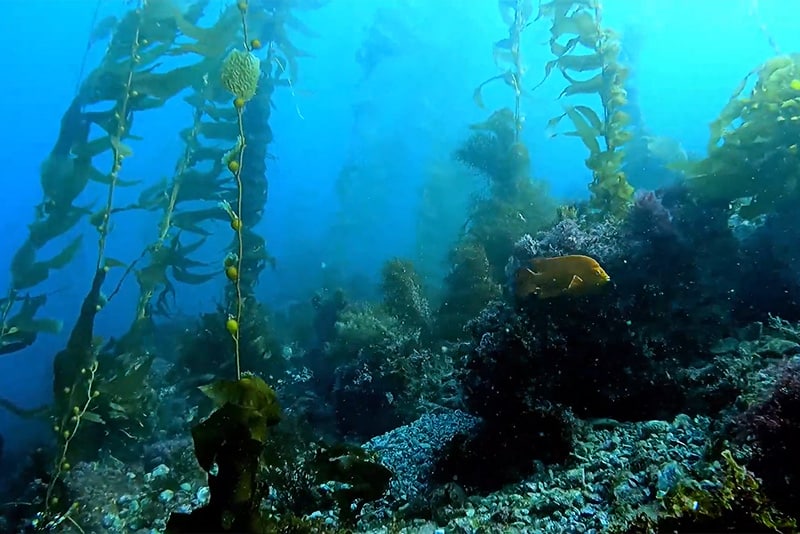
156,52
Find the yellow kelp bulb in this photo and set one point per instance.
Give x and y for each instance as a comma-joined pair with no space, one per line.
795,84
232,326
238,103
255,44
233,166
236,224
232,273
242,6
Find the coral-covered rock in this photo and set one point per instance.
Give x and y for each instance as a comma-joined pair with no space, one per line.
772,427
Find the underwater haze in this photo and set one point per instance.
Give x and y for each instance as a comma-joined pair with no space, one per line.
400,266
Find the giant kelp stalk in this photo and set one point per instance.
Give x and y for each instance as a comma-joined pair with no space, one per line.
121,85
241,71
582,45
516,14
124,84
229,442
99,389
514,203
241,76
187,185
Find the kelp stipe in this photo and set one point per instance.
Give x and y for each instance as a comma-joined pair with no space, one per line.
582,45
515,202
229,443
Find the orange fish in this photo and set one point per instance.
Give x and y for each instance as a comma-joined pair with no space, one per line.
563,275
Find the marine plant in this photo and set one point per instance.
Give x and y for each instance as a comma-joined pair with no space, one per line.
514,204
156,51
229,443
511,204
582,44
468,287
125,83
404,294
507,55
753,159
713,496
770,427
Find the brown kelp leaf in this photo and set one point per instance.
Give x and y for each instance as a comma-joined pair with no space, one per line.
576,63
27,272
218,113
166,85
190,220
560,8
256,404
93,148
205,153
65,256
92,417
186,277
113,263
605,162
21,329
584,130
505,52
291,21
594,84
591,116
145,102
550,128
107,120
152,276
477,97
129,378
154,197
64,178
203,186
122,150
55,224
250,391
15,340
188,249
557,49
102,29
581,62
219,130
